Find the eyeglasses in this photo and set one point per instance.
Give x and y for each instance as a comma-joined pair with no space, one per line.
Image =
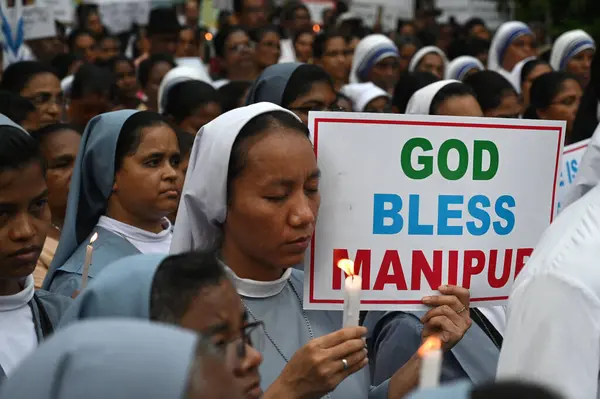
238,48
45,98
240,343
305,110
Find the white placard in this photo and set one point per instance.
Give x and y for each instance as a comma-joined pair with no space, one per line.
392,11
119,15
38,20
569,167
420,201
64,10
316,8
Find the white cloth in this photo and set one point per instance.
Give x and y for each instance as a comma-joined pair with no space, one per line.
23,54
369,51
362,94
458,67
177,75
553,330
420,102
588,175
414,61
66,84
288,53
567,46
146,242
17,329
515,74
220,83
203,204
504,36
258,289
497,316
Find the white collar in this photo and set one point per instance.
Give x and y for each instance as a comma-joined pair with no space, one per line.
20,299
128,231
258,289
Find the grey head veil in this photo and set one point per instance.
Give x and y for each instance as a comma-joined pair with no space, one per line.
271,84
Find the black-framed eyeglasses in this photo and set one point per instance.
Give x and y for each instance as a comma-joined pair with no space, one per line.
239,344
44,98
238,48
306,110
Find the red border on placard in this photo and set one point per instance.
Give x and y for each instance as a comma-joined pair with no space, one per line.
576,148
418,123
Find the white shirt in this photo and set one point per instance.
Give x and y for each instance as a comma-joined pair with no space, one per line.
17,329
146,242
553,330
288,53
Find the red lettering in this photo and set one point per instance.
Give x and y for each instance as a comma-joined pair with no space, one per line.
390,258
361,262
499,282
452,268
432,273
522,253
471,269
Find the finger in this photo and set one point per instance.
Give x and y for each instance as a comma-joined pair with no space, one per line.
443,327
451,301
340,336
446,311
352,360
346,349
463,294
341,376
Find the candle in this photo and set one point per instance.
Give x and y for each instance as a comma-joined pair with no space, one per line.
88,262
431,363
352,288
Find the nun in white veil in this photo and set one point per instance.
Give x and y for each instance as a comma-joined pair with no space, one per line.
503,56
419,58
463,66
177,75
573,52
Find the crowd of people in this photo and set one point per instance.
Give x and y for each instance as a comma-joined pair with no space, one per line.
177,162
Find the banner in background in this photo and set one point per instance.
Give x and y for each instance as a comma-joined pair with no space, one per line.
569,167
119,15
420,201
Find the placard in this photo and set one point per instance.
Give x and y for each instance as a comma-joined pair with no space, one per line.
38,19
392,10
421,201
63,10
569,167
119,15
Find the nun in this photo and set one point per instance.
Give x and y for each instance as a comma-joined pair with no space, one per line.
190,290
573,52
125,182
376,60
177,75
523,75
429,59
394,336
497,97
366,97
122,359
301,88
462,67
252,193
192,104
513,42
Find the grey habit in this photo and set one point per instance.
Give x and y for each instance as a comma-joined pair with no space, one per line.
271,84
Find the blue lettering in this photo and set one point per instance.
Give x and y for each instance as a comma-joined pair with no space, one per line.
381,214
445,213
479,214
506,214
414,228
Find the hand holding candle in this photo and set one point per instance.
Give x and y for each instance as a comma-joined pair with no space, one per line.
88,261
431,362
352,288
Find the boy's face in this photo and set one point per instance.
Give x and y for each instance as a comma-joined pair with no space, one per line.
24,220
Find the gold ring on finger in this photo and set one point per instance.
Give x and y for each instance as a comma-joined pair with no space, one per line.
461,310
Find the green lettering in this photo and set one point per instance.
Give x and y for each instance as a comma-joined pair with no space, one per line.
479,147
426,161
463,159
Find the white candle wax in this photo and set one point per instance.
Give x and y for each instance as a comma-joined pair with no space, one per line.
352,288
431,367
86,266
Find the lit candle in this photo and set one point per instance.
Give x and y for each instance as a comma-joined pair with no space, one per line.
431,363
88,262
352,288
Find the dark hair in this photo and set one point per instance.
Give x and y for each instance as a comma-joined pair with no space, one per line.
289,10
130,135
457,89
17,76
112,63
302,81
543,91
407,40
222,36
62,63
586,120
256,126
320,43
473,22
256,35
72,39
163,21
43,133
178,281
186,142
15,107
232,94
148,65
407,85
513,390
17,149
305,31
186,97
92,79
528,67
238,6
476,46
490,88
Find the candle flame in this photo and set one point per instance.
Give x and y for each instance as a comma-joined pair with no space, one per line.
347,266
431,344
94,237
316,28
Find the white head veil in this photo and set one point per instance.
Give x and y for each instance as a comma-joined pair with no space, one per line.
369,51
505,35
515,74
177,75
203,204
414,62
362,94
567,46
458,67
420,102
